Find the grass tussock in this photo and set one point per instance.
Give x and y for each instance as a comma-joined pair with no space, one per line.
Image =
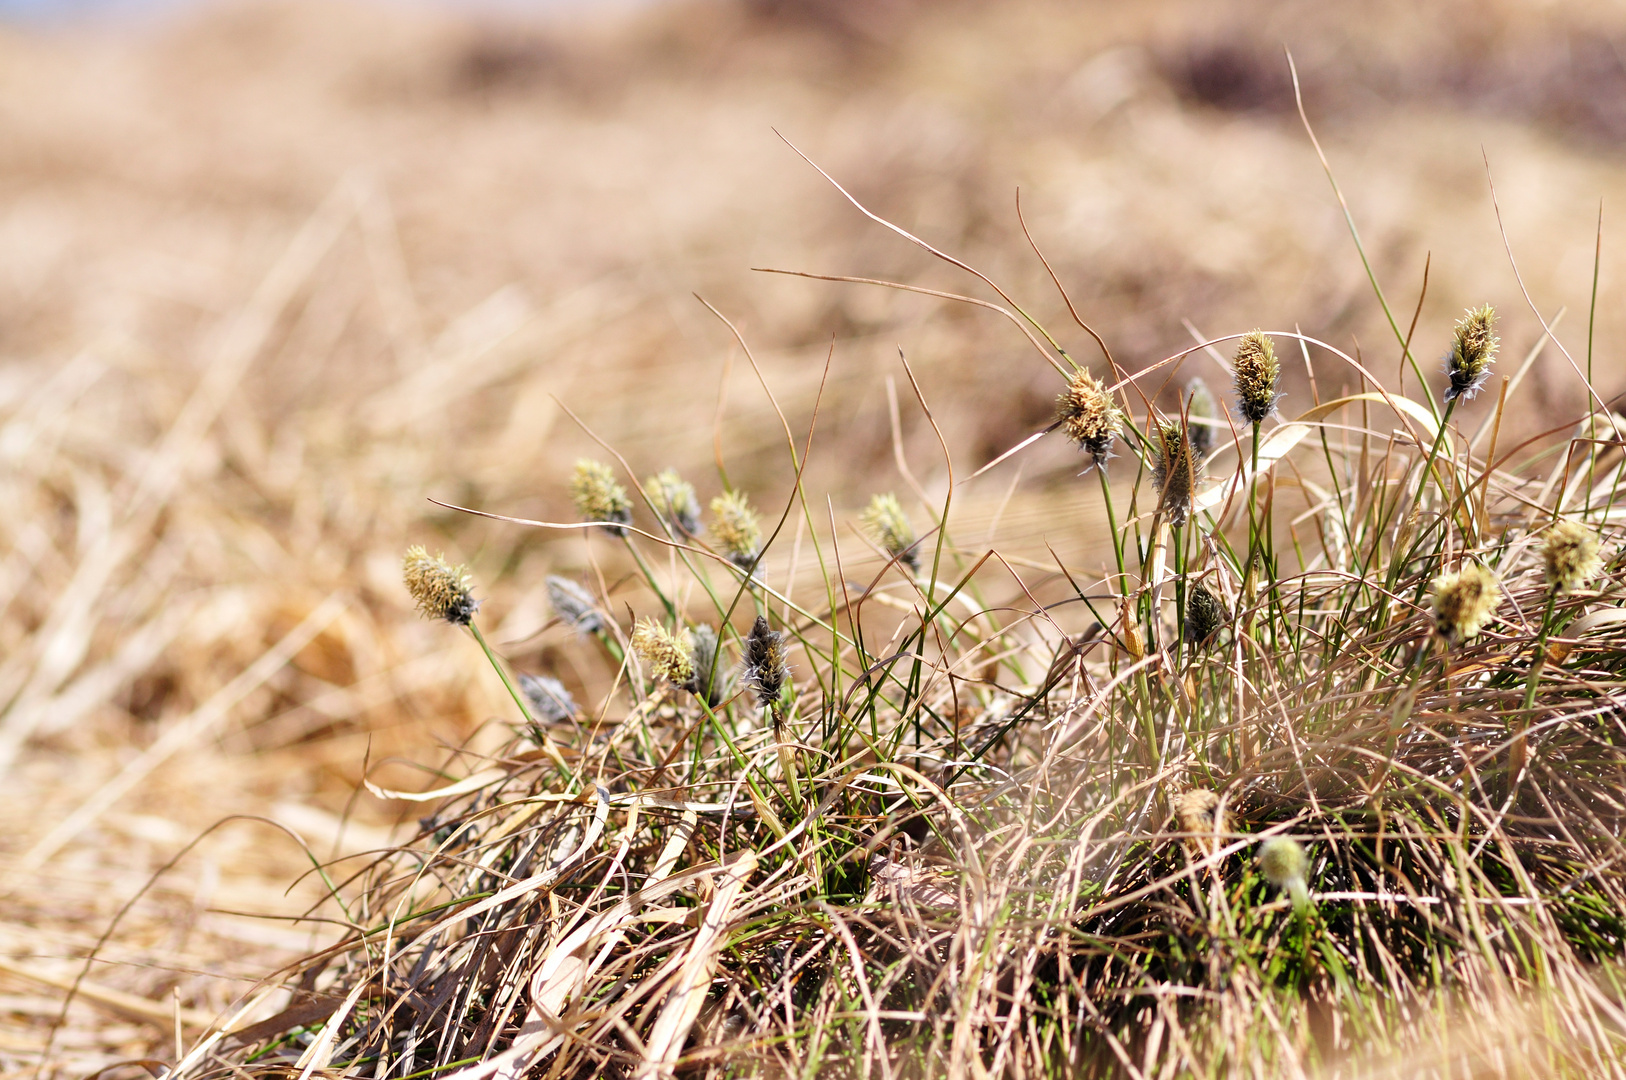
1320,774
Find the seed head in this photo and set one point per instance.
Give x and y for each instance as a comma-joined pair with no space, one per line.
889,526
1464,601
1205,614
734,526
599,498
673,499
1571,555
1088,416
1196,809
1473,348
440,589
574,605
766,671
1256,371
1201,407
550,702
666,657
1285,866
711,677
1175,476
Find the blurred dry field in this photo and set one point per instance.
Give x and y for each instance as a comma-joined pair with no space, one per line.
273,275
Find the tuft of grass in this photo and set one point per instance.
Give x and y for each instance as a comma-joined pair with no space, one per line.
973,818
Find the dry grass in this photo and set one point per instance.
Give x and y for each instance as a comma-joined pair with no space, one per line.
274,275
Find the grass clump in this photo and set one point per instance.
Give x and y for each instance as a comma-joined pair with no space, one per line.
1223,807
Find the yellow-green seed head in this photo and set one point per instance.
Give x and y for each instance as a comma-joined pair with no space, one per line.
673,499
1473,348
1200,409
1283,861
1175,474
1464,601
599,498
664,655
440,589
1571,555
1088,416
1206,614
735,528
1256,371
890,527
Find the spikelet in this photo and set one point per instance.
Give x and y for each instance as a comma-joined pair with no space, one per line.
734,526
1473,348
1464,601
599,498
1205,614
1175,477
1571,555
1201,407
664,655
890,527
440,589
1256,371
1197,810
766,670
550,702
574,605
711,678
1285,866
1088,416
673,499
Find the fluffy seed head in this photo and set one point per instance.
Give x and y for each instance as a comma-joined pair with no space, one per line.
1283,862
574,605
1088,416
599,498
734,526
673,499
1201,407
889,526
1473,347
1571,555
711,677
1175,476
664,655
1205,614
440,589
766,670
1464,601
1196,808
550,702
1256,371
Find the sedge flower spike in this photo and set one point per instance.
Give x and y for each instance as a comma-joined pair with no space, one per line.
1256,371
673,499
550,702
890,527
574,605
1285,866
1175,474
666,656
1464,601
1205,614
1571,556
1088,417
735,527
1473,348
710,680
766,670
440,589
1196,810
599,498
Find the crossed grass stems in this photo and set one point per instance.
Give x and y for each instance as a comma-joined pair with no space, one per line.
961,839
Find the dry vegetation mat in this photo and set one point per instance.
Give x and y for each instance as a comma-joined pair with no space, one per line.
1321,772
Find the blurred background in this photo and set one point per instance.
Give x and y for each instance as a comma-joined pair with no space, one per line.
274,274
